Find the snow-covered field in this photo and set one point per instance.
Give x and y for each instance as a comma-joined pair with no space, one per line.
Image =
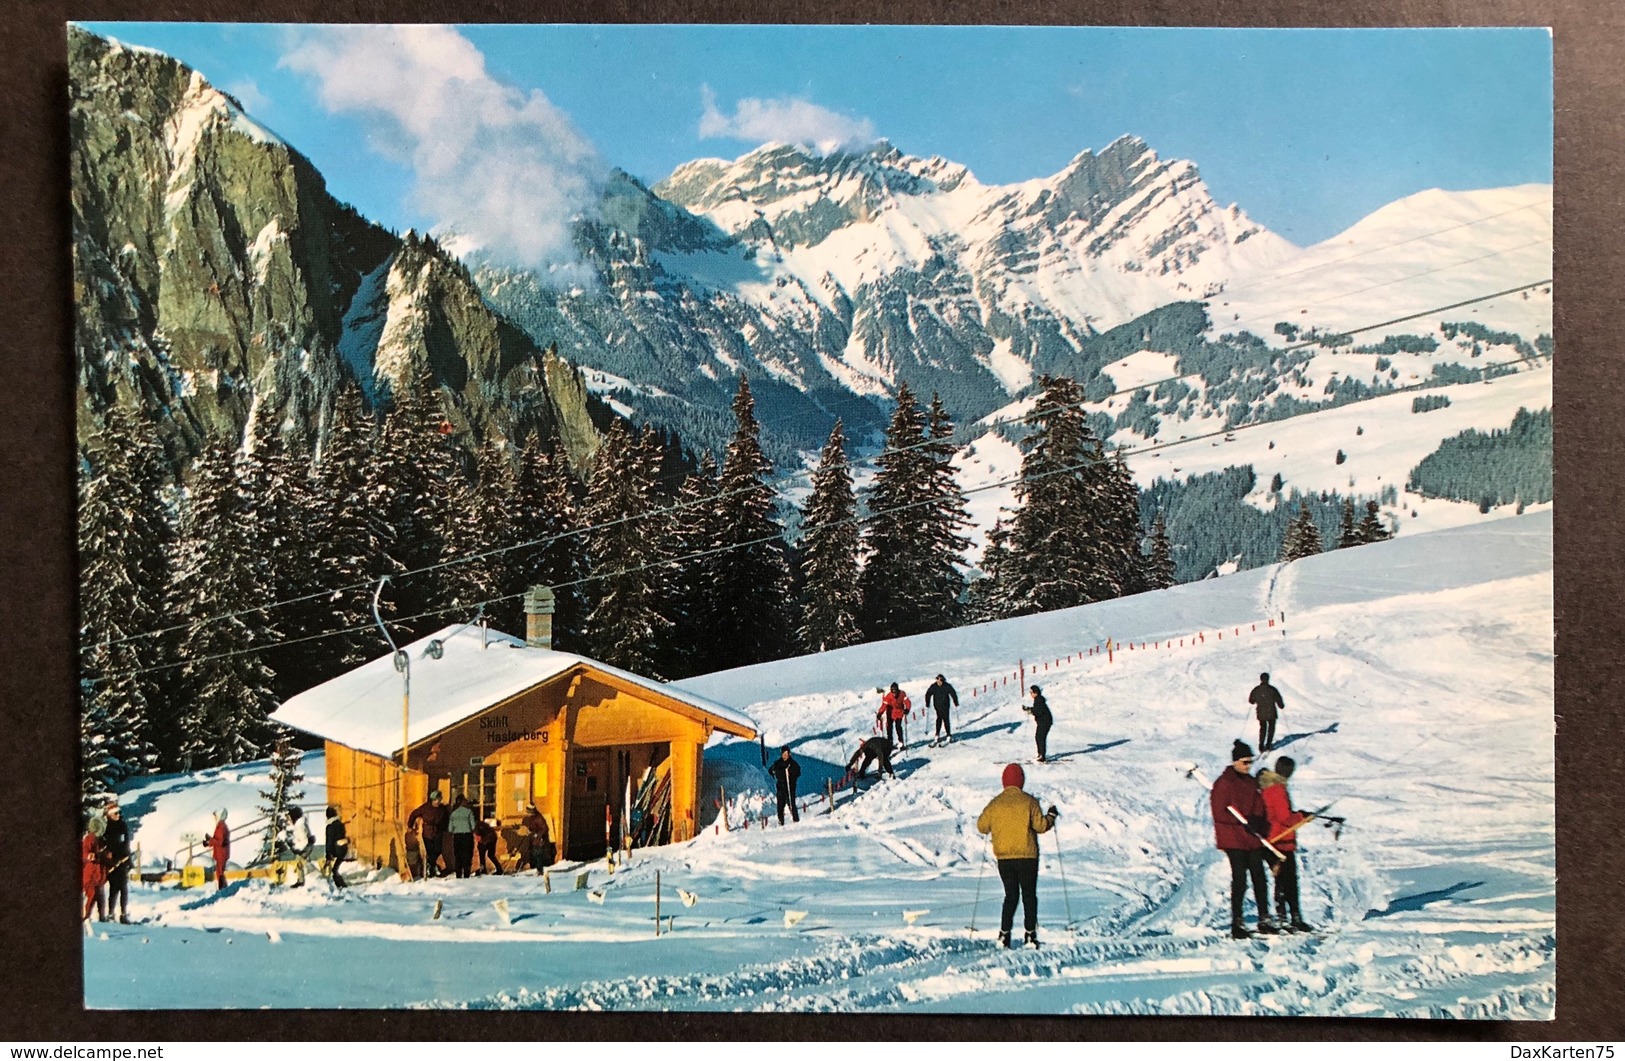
1418,678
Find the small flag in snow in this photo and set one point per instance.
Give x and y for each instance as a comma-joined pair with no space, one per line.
911,916
273,935
792,918
501,907
689,898
581,879
597,896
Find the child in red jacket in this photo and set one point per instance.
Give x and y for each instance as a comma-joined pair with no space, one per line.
93,868
1283,835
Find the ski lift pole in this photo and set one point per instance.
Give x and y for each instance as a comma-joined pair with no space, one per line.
403,664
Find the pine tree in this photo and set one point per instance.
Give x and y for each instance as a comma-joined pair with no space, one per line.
1346,535
941,517
1371,528
349,541
752,577
494,529
117,615
625,627
1063,547
690,536
283,793
897,568
220,590
830,597
1160,564
1302,537
1119,548
547,506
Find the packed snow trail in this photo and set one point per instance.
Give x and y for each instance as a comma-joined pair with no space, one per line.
1418,684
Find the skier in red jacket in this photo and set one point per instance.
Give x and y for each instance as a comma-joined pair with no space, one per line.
1236,793
1284,825
894,708
219,843
93,862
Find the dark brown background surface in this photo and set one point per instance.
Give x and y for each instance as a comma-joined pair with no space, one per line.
40,954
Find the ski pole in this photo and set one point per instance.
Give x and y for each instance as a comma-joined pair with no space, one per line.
1059,861
977,906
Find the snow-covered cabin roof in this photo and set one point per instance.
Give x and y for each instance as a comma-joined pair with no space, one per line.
476,669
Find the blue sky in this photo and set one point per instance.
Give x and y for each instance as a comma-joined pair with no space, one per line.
1308,130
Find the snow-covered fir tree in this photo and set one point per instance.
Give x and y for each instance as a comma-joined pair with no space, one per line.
1159,565
941,518
494,529
1064,545
1346,535
1302,537
349,540
625,626
897,555
690,536
750,574
1121,559
284,791
829,549
1371,528
219,593
120,614
547,506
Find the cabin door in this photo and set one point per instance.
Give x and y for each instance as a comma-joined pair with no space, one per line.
590,790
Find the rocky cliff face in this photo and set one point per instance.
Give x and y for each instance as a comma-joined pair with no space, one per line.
215,279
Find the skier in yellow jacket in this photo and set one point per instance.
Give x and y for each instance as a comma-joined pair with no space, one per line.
1015,820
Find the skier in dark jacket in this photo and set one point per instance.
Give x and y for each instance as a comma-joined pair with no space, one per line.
1235,793
1267,699
116,838
786,772
338,846
1039,709
540,850
938,696
870,750
430,819
485,845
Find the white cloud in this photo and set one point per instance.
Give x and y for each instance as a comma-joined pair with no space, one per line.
787,119
247,92
502,167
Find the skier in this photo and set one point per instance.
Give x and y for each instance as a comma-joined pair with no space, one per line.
93,868
219,843
786,771
1267,698
430,820
460,827
874,748
485,845
1015,820
1236,792
938,696
894,708
338,848
1284,825
541,843
297,842
1039,709
116,837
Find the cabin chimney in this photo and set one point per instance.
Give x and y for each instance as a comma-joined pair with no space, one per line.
539,617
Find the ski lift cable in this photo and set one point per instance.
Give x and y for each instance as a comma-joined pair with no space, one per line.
779,535
971,431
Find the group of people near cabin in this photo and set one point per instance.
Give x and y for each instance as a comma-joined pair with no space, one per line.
452,841
105,855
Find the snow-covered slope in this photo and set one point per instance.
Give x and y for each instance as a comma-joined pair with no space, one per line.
1417,676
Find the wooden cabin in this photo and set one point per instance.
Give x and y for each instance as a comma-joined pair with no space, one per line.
506,723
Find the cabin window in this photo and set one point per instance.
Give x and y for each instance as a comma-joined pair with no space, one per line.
480,789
